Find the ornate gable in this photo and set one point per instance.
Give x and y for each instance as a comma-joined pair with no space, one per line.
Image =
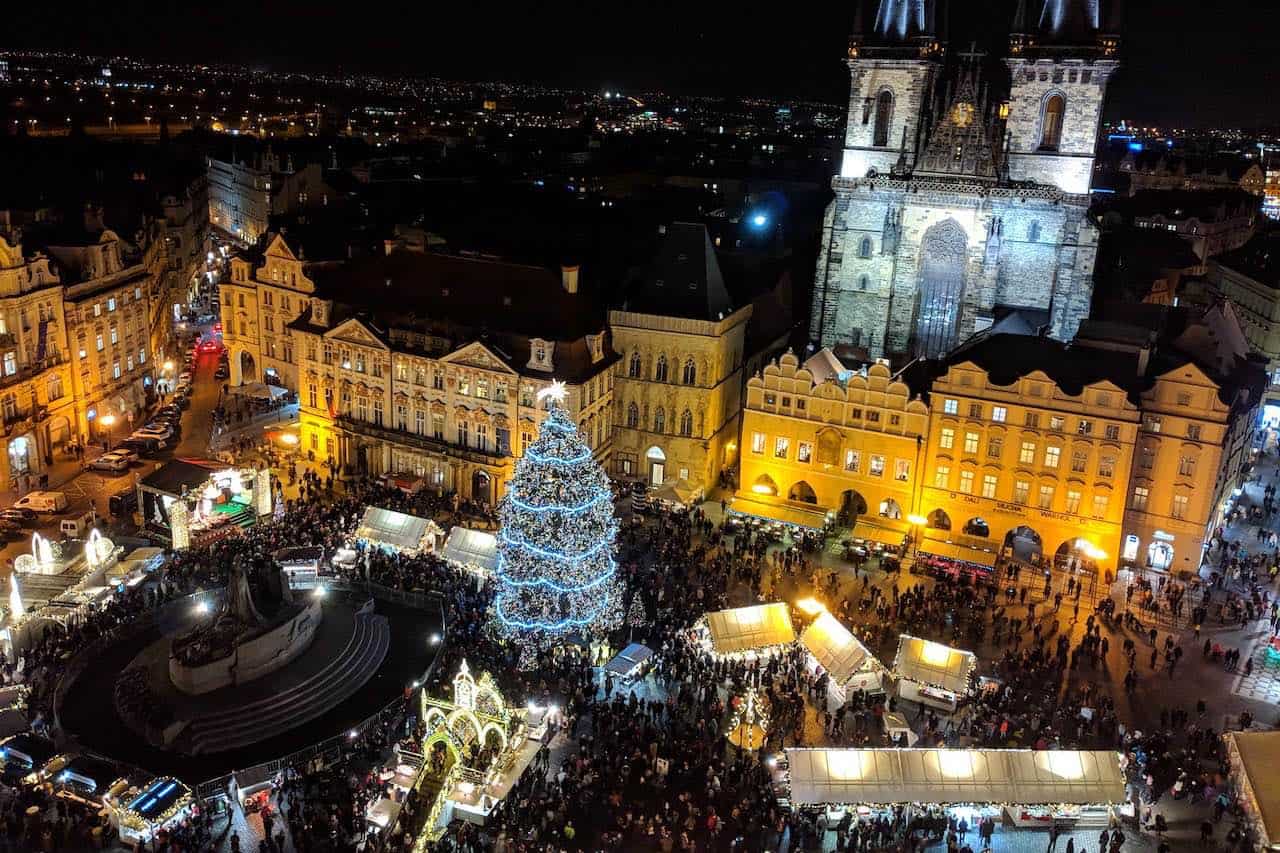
355,332
278,248
476,354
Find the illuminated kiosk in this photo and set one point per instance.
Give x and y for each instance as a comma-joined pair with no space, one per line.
477,747
1254,757
397,531
931,673
1018,787
747,632
141,811
241,643
849,665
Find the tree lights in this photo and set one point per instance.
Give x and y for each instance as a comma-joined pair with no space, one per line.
555,549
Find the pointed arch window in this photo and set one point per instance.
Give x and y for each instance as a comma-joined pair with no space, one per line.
884,114
1033,232
686,423
863,283
633,416
633,369
1055,109
660,369
659,420
864,248
690,372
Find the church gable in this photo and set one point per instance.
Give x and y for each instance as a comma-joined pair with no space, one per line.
478,355
355,332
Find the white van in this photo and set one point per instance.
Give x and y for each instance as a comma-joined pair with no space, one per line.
78,526
42,501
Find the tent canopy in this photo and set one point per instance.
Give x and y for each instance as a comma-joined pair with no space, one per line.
1259,755
889,776
396,529
628,659
839,652
472,548
957,551
258,390
746,628
678,491
933,663
801,515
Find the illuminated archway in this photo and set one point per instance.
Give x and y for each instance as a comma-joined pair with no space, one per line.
977,527
764,485
1024,543
939,520
889,508
802,492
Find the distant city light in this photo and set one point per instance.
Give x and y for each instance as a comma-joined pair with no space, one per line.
759,220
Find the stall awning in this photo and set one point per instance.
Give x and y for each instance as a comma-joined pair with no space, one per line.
876,533
746,628
890,776
955,551
933,663
396,529
1258,755
626,661
788,513
833,646
472,548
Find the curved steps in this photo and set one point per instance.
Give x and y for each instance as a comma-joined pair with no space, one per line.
266,718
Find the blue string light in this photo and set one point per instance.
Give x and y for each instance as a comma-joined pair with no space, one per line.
571,510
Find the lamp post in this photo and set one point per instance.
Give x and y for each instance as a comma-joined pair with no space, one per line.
108,421
917,521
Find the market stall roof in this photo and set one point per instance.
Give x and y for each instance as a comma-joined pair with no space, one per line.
789,513
472,548
1259,756
745,628
933,663
259,390
955,551
839,652
625,661
886,776
678,491
396,529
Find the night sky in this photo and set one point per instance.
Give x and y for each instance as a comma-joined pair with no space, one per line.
1194,62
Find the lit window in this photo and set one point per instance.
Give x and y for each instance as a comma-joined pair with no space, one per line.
942,477
1057,423
966,482
781,446
1051,455
1027,454
1140,496
901,470
989,482
115,370
1180,506
951,407
111,304
1021,492
876,468
999,414
1100,506
757,440
947,439
10,363
1073,501
804,450
851,460
971,442
1046,497
1084,427
100,344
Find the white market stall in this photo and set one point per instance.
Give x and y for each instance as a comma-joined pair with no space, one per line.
397,531
476,550
1034,787
931,673
848,663
757,630
1254,757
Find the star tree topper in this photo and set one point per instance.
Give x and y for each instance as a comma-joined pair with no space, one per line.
556,391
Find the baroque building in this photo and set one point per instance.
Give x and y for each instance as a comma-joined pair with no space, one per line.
952,208
419,365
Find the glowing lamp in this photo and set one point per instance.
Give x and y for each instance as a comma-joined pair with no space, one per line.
107,420
956,763
288,438
759,220
811,605
935,654
917,519
763,489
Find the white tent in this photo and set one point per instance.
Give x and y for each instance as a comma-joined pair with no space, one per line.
1254,757
397,530
474,548
835,648
930,663
747,628
890,776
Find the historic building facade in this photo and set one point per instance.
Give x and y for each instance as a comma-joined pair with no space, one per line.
951,210
422,366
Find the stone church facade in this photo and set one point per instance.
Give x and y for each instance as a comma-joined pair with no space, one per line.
953,210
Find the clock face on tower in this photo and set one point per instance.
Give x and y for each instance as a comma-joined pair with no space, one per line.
962,114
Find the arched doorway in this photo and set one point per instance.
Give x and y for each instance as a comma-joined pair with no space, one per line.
889,508
942,261
852,505
764,485
248,368
977,527
1160,556
59,432
1077,555
1024,544
482,487
939,520
803,493
657,465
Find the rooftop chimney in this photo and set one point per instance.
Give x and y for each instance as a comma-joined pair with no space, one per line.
569,277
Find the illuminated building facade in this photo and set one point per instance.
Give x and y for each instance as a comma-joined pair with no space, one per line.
952,210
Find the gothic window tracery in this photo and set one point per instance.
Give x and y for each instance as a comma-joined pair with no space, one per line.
884,114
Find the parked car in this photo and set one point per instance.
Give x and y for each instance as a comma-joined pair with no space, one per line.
222,372
184,378
22,516
42,501
154,430
142,446
127,452
113,462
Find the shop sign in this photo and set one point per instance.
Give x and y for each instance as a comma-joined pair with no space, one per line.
1011,509
1164,537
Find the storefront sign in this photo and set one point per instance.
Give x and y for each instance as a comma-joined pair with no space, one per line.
1011,509
1164,537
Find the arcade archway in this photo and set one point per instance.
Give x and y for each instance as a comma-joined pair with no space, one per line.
977,527
889,508
248,368
939,520
852,505
803,493
764,485
1024,543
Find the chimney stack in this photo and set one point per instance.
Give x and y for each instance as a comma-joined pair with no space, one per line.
569,277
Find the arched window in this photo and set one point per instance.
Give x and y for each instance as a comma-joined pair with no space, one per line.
690,372
864,248
660,369
1033,232
1051,122
686,423
884,113
633,416
863,282
659,420
633,370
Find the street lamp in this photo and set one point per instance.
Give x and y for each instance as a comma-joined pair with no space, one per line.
917,521
108,421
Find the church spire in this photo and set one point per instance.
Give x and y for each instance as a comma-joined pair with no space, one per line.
903,20
1069,21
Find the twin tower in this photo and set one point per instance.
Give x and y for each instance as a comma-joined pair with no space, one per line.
961,202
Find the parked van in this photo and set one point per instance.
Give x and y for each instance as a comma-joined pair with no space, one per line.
78,526
42,501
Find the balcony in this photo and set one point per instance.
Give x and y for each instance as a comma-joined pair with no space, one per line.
31,371
419,442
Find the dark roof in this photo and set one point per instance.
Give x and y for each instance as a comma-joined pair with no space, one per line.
172,477
1007,358
1206,205
685,280
1259,259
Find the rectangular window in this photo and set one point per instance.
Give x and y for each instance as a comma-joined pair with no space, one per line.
1021,492
1152,423
901,470
464,385
97,307
1027,455
1079,461
851,461
947,438
1057,423
971,442
873,416
942,477
1193,432
437,382
1187,466
10,363
999,414
1046,497
804,451
111,304
989,482
757,442
1107,467
1181,504
311,396
877,466
950,407
1140,496
1147,458
1051,455
975,410
1084,427
995,446
115,370
100,343
966,482
482,437
420,422
1100,506
437,427
1073,501
464,434
1113,432
1032,420
115,338
781,446
500,391
482,387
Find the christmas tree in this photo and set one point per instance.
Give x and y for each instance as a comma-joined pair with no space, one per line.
556,573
